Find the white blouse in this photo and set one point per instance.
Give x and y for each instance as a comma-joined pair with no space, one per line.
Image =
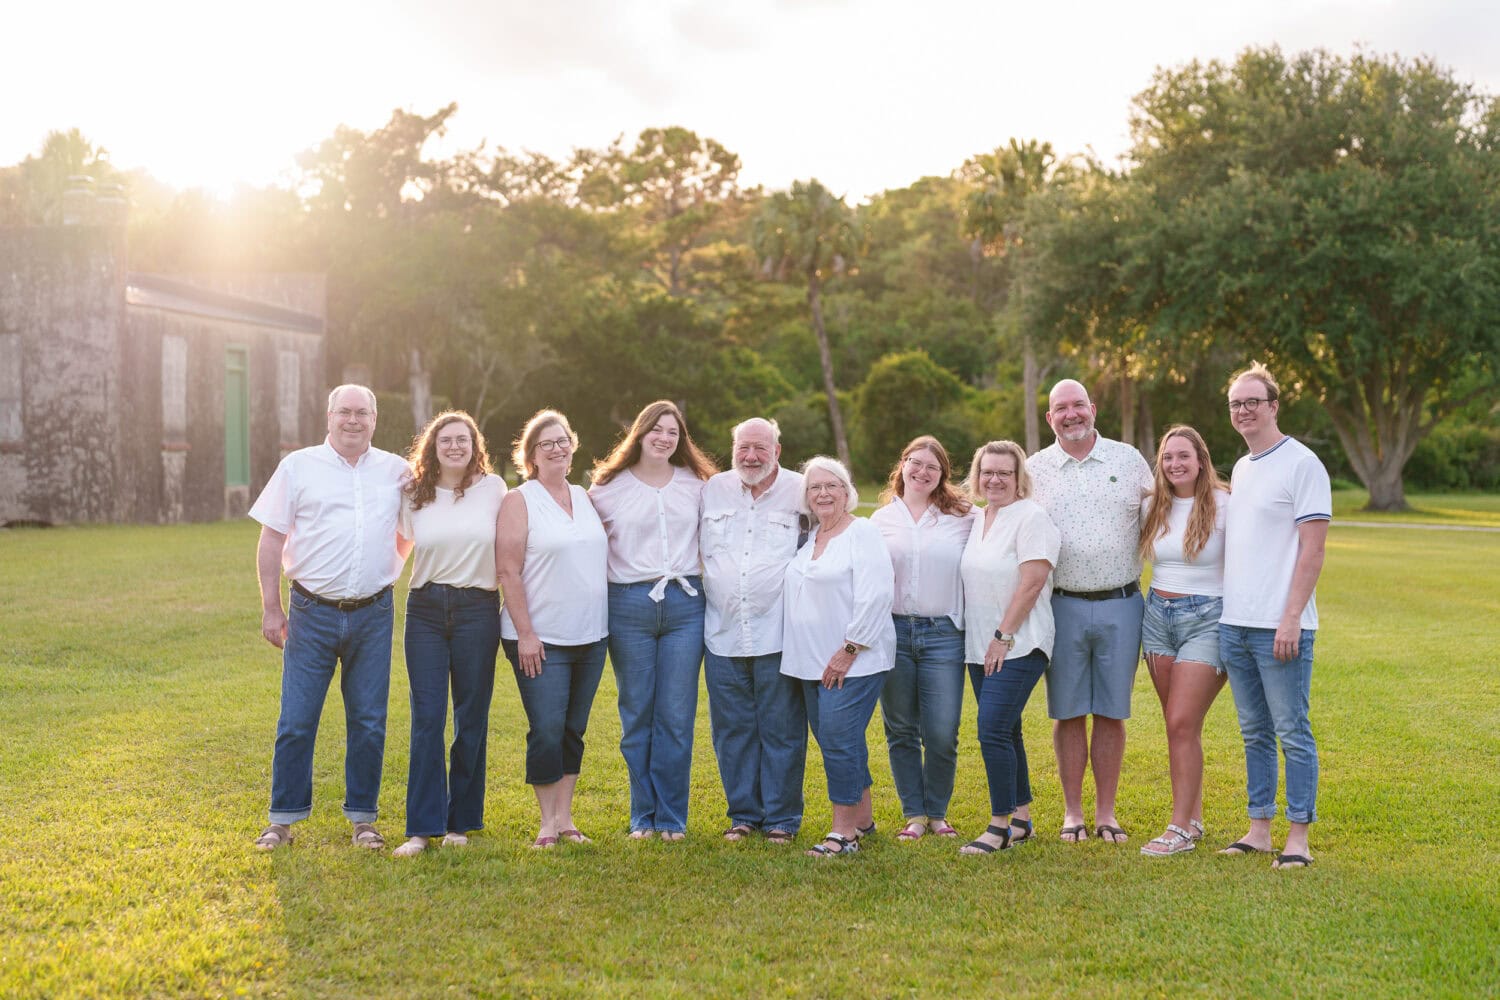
564,572
453,540
1021,532
842,596
1173,572
653,533
926,554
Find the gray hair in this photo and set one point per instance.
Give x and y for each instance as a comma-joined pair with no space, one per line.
734,434
833,467
334,395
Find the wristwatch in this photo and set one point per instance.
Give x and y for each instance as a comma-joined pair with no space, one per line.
1009,640
851,649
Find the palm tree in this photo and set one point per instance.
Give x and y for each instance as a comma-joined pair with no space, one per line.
810,233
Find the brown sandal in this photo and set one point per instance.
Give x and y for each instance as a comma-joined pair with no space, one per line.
365,835
274,836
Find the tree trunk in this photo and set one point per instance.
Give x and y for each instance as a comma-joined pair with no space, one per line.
1127,407
1030,379
1147,437
1378,465
825,357
420,381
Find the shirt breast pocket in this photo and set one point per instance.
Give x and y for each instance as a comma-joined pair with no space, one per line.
714,531
782,529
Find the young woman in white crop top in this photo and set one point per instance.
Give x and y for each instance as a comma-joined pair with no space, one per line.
1182,534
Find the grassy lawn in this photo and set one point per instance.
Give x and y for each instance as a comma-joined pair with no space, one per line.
1473,509
137,707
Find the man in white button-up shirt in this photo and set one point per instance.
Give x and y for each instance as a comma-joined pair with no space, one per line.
328,520
749,533
1092,489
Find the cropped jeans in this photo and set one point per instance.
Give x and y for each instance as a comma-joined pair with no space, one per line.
839,717
656,648
557,702
1272,699
1002,701
760,738
319,637
452,636
921,704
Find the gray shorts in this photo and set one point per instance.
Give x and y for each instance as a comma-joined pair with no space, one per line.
1186,628
1094,657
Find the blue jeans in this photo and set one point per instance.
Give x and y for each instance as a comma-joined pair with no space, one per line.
557,703
921,702
1272,698
839,718
656,647
452,635
1002,700
760,738
317,638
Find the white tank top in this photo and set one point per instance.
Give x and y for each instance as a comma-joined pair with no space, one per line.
566,570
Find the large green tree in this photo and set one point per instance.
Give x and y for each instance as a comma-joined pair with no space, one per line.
1337,217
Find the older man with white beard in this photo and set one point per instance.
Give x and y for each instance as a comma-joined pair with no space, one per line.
1092,489
749,533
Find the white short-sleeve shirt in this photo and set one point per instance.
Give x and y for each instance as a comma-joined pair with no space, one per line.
926,552
842,596
653,533
339,519
1274,492
453,538
1021,532
1096,504
746,543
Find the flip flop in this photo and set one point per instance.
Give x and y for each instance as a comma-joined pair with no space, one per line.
738,832
1079,833
575,836
1239,848
455,840
1290,861
1116,835
780,836
543,843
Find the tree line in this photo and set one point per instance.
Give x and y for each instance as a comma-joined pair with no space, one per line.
1337,217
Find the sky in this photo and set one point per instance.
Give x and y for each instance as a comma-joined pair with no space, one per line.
865,95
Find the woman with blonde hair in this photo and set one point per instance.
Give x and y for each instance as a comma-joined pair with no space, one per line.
925,520
1182,534
552,555
648,492
449,510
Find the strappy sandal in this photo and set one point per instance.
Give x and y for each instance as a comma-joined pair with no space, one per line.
861,832
1175,841
780,836
1198,830
366,836
1027,832
915,829
846,845
980,848
412,847
942,828
738,832
274,836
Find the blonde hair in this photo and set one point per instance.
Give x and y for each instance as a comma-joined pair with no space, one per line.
1200,526
1260,371
1015,451
525,444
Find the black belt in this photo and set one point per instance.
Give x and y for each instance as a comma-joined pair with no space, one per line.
1100,595
346,604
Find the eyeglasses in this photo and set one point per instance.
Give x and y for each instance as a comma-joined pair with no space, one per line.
826,488
1248,405
1002,475
553,444
922,466
344,413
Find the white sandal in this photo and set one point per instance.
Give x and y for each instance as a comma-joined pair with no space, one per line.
1176,841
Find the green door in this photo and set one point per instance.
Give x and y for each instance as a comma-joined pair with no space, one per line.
236,418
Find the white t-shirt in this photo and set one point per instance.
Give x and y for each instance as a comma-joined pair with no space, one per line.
747,542
567,592
653,533
1274,492
1173,572
453,540
844,595
1021,532
339,519
1096,504
925,553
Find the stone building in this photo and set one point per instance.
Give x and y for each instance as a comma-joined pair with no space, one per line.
129,397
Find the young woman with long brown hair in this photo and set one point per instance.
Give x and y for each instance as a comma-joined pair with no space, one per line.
1182,535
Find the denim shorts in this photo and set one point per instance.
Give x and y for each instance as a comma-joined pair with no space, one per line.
1183,627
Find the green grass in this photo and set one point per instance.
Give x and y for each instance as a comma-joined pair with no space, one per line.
1471,509
137,706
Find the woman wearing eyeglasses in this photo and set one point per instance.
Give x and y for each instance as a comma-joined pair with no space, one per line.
649,493
1007,571
552,556
925,521
839,641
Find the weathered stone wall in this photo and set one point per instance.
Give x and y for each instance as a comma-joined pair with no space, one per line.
62,301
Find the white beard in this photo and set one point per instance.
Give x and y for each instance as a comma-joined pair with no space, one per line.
754,477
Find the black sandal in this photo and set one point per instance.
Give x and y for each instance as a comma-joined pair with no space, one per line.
980,847
1024,825
861,832
846,846
780,836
